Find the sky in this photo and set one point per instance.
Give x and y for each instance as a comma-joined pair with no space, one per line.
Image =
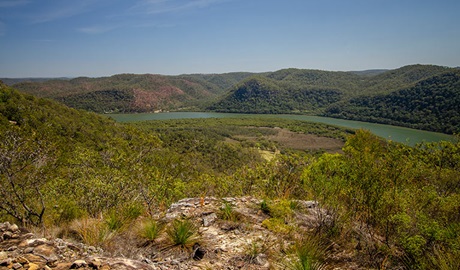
94,38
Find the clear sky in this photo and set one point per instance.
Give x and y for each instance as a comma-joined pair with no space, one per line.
53,38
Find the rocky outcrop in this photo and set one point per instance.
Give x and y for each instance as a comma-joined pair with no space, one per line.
23,250
240,240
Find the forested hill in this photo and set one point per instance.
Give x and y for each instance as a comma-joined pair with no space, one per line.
417,96
266,95
367,95
432,104
132,92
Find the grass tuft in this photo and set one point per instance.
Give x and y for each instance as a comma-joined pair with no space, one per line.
150,229
183,233
308,254
228,213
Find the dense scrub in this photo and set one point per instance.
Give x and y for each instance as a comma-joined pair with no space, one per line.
404,200
394,205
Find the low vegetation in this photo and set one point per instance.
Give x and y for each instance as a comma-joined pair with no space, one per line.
183,233
394,205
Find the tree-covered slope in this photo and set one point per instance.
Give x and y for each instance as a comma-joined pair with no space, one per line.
335,94
404,77
265,95
432,104
132,92
419,96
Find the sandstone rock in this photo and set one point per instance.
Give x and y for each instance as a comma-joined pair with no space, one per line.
13,228
16,266
63,266
78,264
35,258
29,250
45,251
6,262
7,235
222,245
33,266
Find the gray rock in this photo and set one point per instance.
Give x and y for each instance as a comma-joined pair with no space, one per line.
208,220
17,266
29,250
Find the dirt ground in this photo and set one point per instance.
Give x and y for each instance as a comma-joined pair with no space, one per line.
300,141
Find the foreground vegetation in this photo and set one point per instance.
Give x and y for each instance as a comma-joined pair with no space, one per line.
397,206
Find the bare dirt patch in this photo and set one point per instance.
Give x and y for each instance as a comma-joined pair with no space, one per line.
301,141
295,140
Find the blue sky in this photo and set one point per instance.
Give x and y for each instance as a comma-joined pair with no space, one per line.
53,38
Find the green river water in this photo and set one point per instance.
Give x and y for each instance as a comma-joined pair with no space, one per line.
398,134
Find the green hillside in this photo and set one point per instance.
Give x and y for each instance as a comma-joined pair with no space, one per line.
132,92
432,104
265,95
375,95
385,97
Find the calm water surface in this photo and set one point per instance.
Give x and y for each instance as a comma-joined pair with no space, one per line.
398,134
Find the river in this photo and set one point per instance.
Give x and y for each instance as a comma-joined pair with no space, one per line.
399,134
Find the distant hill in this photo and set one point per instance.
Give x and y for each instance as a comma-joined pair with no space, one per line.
132,92
361,95
355,96
370,72
11,81
265,95
431,104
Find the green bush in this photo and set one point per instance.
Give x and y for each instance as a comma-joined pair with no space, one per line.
308,254
150,229
183,233
114,221
277,225
228,213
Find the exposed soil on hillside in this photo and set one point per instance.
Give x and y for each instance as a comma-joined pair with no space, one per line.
298,141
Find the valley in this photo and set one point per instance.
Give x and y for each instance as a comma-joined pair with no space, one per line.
152,193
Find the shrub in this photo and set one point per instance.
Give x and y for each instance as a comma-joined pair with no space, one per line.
182,233
150,229
283,209
66,211
277,225
264,207
228,213
114,221
308,254
92,231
